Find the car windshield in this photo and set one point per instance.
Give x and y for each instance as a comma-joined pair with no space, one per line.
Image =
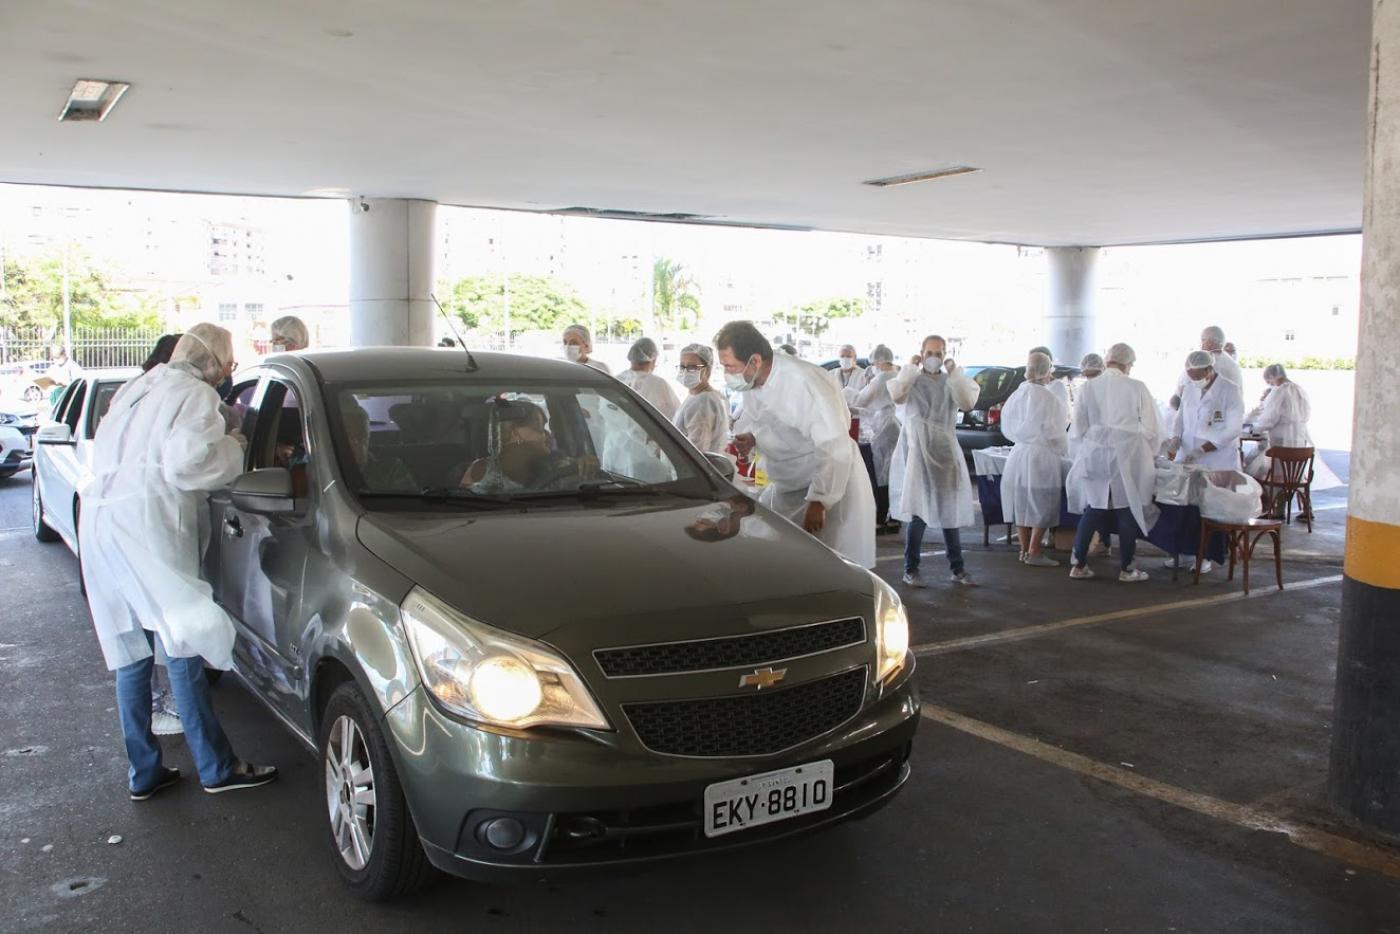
994,380
506,441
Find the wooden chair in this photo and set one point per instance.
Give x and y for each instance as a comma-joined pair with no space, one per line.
1242,538
1290,477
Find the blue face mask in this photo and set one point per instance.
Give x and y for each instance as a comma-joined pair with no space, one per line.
740,382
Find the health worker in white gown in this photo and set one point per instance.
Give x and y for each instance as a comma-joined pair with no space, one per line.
794,416
1035,420
642,357
929,481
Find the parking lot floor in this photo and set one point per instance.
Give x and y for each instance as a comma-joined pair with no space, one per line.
1094,756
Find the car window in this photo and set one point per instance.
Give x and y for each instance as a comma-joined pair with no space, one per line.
74,410
60,409
240,400
503,439
995,381
101,402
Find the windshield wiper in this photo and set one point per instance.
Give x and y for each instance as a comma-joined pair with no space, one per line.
454,495
615,487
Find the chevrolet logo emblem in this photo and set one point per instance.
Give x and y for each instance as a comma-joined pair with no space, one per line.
762,678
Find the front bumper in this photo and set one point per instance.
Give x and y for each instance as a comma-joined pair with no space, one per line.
16,452
585,805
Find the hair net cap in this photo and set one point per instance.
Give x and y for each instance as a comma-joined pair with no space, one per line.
292,330
206,347
703,351
1213,333
881,354
1091,361
1045,350
582,332
1038,366
1275,371
643,351
1198,360
1121,354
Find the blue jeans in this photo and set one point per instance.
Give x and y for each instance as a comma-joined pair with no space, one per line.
914,543
1097,520
213,756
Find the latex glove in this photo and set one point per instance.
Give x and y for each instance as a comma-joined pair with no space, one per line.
1194,456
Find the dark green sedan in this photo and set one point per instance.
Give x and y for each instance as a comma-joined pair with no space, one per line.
529,630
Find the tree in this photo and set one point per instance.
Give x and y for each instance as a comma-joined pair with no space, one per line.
33,296
674,302
815,318
537,303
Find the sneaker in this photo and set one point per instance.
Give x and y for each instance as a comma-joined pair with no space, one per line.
912,579
1077,573
964,578
244,776
167,778
1206,566
166,723
1021,557
1040,561
1132,576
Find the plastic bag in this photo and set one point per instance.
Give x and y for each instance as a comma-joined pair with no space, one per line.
1173,485
1230,496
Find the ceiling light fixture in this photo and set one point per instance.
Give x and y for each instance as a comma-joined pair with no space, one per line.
921,176
92,99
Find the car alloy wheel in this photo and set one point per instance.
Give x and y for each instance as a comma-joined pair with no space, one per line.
350,793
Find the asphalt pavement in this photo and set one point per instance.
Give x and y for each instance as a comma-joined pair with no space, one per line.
1095,756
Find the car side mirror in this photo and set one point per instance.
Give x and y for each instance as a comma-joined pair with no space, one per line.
58,433
721,463
266,492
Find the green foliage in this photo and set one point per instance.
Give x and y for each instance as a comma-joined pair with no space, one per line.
33,296
674,300
537,303
815,317
1306,363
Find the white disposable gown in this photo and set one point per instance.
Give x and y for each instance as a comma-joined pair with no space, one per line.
1215,415
1118,430
654,389
878,425
1283,419
928,475
1035,419
159,452
704,419
801,427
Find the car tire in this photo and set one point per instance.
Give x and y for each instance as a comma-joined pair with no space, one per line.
41,528
77,516
7,474
375,845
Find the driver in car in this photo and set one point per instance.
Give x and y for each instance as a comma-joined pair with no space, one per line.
525,460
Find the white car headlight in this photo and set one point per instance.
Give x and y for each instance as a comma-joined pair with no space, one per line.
892,630
491,676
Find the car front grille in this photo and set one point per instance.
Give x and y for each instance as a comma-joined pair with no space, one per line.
670,658
758,724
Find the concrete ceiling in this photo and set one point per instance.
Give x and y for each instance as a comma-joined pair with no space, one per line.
1095,121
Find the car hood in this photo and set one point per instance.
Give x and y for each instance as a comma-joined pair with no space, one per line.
608,571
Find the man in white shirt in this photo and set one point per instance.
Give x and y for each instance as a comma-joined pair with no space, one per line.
1206,429
795,417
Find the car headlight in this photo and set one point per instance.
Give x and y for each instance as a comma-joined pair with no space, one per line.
491,676
891,630
7,419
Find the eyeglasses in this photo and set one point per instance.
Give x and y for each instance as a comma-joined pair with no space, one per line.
692,367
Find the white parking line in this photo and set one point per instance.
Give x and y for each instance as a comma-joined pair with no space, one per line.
1030,632
900,556
1354,852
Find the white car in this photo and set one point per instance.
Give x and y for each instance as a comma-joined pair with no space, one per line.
63,453
18,422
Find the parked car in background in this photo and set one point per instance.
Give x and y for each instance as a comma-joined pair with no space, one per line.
22,380
18,423
528,630
981,426
63,454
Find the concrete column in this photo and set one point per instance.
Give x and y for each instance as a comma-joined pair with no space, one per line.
1070,328
392,272
1365,773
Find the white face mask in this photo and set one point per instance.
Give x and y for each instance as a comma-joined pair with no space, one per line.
689,378
933,365
1200,383
279,346
572,352
740,382
848,363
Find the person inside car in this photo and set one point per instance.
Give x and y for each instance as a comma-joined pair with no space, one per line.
525,459
383,475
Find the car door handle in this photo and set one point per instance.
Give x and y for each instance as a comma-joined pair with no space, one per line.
233,527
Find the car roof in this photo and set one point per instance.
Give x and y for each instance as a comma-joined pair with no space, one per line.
389,363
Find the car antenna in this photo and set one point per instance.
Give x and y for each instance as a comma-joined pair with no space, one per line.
472,366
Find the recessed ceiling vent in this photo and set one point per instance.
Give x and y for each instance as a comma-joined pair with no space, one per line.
91,100
929,176
621,215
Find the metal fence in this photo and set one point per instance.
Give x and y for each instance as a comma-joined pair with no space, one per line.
93,348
